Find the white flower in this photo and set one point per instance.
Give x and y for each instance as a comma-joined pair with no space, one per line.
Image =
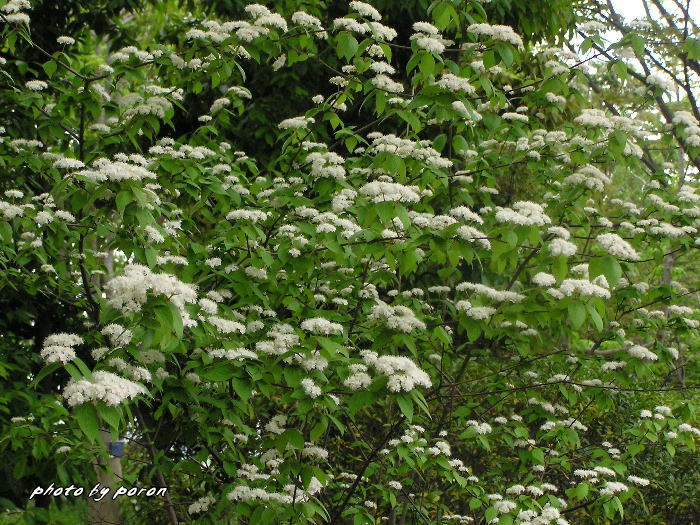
105,386
118,335
390,191
386,83
59,347
642,482
365,10
491,293
561,247
128,292
304,19
404,374
65,40
617,246
201,505
425,27
523,213
454,83
641,352
311,389
318,325
36,85
497,32
296,123
253,216
397,317
544,279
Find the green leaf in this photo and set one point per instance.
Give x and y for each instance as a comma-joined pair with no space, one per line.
427,64
577,314
360,400
177,319
124,197
406,406
293,437
595,316
318,429
242,388
48,369
86,415
347,45
6,232
692,47
459,143
50,68
83,368
581,491
559,268
607,266
110,415
505,51
219,372
618,506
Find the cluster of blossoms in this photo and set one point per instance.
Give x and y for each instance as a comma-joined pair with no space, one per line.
497,32
59,347
104,386
403,374
396,317
129,292
284,237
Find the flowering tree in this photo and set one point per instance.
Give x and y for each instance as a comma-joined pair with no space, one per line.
437,302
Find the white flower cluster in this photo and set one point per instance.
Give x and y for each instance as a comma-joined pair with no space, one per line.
501,296
59,347
404,374
455,84
253,216
465,214
118,335
617,246
428,37
128,292
497,32
478,313
282,340
660,81
296,123
421,150
471,234
359,378
544,279
306,20
595,118
310,388
201,505
235,354
226,326
106,170
365,10
105,386
326,164
36,85
641,352
318,325
561,247
588,176
390,191
523,213
396,317
596,288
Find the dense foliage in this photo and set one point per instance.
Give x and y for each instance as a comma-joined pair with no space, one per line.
314,269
